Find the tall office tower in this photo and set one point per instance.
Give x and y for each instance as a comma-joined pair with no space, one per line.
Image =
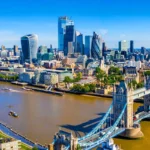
143,50
123,45
88,46
96,50
50,49
103,48
131,46
3,47
62,23
69,37
79,43
15,50
29,45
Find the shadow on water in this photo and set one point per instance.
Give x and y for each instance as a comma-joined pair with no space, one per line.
84,127
140,101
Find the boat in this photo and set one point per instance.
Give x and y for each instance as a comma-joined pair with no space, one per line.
26,89
6,89
13,114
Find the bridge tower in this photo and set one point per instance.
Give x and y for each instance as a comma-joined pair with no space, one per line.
147,97
123,95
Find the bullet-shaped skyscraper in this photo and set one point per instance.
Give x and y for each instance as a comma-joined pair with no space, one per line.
96,50
29,45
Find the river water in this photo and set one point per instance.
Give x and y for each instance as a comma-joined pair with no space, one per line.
41,115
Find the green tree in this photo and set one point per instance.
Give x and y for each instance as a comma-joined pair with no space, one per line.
67,79
34,148
140,85
114,70
79,75
78,147
97,70
147,73
92,87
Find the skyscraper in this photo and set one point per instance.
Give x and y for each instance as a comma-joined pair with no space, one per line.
62,23
29,45
79,43
103,48
96,50
88,46
123,45
143,50
15,50
131,46
69,37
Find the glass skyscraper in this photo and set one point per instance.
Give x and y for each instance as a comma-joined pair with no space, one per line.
123,45
62,23
131,46
79,43
69,37
29,45
96,50
88,46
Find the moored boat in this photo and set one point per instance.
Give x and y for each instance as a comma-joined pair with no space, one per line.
14,114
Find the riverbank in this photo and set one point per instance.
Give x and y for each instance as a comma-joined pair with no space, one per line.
80,93
23,146
8,132
57,91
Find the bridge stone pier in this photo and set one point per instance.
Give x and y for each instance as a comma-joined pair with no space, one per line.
147,97
63,141
123,95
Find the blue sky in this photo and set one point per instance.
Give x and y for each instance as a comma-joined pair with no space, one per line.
114,20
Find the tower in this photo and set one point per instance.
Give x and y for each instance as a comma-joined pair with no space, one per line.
147,97
122,96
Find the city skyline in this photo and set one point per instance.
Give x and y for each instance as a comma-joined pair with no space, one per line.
113,21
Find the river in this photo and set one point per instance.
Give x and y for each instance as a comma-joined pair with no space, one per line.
41,115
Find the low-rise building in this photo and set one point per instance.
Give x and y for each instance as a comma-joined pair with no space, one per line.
10,144
26,77
50,78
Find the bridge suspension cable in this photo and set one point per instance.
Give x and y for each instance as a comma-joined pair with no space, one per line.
107,135
98,126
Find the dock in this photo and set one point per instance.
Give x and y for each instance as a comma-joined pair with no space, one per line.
19,83
45,91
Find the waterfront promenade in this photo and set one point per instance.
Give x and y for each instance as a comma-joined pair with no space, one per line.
8,131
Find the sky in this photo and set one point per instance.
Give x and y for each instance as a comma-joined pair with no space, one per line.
114,20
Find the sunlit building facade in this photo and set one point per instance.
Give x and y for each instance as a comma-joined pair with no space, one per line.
88,46
69,37
62,23
29,45
96,49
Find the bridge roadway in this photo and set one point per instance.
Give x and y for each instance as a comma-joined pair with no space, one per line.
97,136
8,131
140,93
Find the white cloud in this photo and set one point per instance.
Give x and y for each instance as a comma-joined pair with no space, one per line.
103,31
122,35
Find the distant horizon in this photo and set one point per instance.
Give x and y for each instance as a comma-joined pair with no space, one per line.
113,20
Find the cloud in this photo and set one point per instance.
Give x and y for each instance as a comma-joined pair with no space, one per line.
122,35
103,31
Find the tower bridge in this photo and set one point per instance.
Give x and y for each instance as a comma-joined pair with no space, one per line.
118,120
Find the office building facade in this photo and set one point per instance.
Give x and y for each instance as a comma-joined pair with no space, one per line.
15,50
79,43
62,23
29,45
131,46
123,45
103,48
96,50
88,46
69,37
